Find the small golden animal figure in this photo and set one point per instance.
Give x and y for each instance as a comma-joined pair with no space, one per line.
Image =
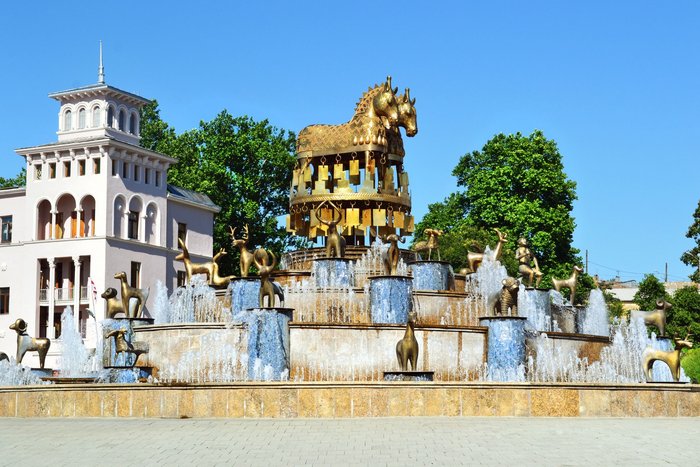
121,345
672,358
407,348
242,244
335,243
113,306
508,298
474,260
569,283
657,317
216,280
26,343
128,292
525,257
392,255
267,288
430,244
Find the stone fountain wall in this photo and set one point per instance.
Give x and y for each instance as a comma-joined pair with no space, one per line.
364,352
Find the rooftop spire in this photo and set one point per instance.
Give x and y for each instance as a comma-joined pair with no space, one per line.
101,69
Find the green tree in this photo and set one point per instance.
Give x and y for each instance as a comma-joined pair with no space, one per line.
650,290
684,316
690,361
17,181
243,165
517,183
691,256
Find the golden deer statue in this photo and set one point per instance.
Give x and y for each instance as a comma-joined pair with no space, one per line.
569,283
407,348
672,358
210,268
655,318
267,288
428,245
246,260
474,260
391,258
335,243
128,292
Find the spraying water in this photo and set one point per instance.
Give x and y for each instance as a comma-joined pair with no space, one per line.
12,374
75,358
596,315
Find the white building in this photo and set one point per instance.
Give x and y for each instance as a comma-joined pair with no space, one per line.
95,203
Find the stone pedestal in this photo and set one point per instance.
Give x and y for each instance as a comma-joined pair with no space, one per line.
110,357
333,272
432,275
408,375
390,299
245,294
268,343
535,305
506,347
566,318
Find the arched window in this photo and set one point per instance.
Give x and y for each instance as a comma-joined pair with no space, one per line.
67,120
122,118
96,119
132,124
81,118
110,117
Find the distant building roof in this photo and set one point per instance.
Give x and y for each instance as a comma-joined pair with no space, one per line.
191,197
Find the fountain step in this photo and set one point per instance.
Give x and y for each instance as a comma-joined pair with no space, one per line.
409,375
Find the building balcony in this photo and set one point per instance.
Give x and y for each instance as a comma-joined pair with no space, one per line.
63,295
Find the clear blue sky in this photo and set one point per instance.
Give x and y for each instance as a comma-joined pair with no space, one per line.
614,83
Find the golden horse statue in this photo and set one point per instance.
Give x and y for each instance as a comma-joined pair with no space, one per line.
408,120
375,113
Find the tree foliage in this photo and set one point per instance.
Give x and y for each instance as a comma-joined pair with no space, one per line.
690,257
243,165
650,290
684,316
517,184
17,181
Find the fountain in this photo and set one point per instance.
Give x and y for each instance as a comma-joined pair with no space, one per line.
345,308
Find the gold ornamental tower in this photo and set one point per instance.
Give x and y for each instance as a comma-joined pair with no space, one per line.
356,169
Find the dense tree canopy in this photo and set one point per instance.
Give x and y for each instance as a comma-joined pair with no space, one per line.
684,316
690,257
517,184
243,165
650,290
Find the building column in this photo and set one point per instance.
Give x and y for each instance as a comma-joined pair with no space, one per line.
52,229
142,226
52,298
125,223
78,218
76,291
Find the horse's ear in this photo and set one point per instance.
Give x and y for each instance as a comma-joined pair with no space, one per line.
387,85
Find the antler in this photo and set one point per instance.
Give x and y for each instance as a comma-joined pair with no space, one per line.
338,211
233,233
245,232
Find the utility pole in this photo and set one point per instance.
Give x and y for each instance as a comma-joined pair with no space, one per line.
666,273
587,261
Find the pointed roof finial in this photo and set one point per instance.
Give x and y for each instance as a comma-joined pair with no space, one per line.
101,69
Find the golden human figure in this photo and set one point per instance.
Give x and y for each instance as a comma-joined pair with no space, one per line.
525,257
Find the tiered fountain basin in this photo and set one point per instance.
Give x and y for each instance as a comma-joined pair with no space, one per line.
350,399
338,356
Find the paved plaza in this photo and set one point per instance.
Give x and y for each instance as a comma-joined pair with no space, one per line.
385,441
